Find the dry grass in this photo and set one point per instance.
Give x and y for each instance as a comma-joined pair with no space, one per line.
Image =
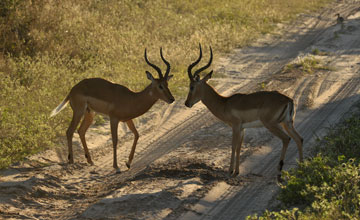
47,46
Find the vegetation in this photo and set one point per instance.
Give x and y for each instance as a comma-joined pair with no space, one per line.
307,64
48,46
326,186
317,52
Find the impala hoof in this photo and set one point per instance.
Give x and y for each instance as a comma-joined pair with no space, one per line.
279,179
235,174
118,170
88,159
70,158
127,165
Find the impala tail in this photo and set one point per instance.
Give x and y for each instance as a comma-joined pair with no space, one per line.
292,110
60,107
288,113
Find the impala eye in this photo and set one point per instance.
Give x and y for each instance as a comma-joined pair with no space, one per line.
191,88
161,87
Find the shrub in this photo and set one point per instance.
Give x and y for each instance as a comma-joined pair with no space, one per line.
327,185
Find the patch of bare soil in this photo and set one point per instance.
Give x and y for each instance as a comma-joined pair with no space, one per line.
182,157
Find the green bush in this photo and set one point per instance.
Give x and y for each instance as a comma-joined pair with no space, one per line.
340,197
292,214
326,186
310,173
335,198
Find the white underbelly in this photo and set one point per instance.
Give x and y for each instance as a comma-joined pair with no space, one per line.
253,124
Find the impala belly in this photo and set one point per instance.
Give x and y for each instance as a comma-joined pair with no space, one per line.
99,106
248,118
245,116
253,124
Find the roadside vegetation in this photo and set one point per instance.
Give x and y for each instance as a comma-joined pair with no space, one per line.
308,64
48,46
326,186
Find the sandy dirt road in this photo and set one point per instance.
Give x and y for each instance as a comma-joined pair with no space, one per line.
182,158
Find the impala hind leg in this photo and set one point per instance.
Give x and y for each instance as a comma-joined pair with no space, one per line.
77,114
276,130
289,128
131,126
114,122
85,124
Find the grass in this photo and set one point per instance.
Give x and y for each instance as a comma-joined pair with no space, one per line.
48,46
326,186
318,52
307,64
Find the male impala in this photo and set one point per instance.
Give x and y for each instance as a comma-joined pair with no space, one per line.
240,111
116,101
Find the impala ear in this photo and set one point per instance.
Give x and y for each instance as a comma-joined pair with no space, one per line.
149,76
169,77
208,76
197,78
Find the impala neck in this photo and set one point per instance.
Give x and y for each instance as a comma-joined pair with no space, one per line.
144,101
214,101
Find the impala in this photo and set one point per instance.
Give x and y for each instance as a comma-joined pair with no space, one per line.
271,110
116,101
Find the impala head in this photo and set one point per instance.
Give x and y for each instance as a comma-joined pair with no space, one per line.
196,84
159,87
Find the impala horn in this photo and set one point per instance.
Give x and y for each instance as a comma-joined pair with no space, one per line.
168,67
194,64
158,70
197,72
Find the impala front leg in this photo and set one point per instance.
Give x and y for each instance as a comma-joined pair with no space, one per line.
114,134
235,142
231,169
238,149
131,126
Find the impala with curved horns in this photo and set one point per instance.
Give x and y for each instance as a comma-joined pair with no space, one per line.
271,110
116,101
